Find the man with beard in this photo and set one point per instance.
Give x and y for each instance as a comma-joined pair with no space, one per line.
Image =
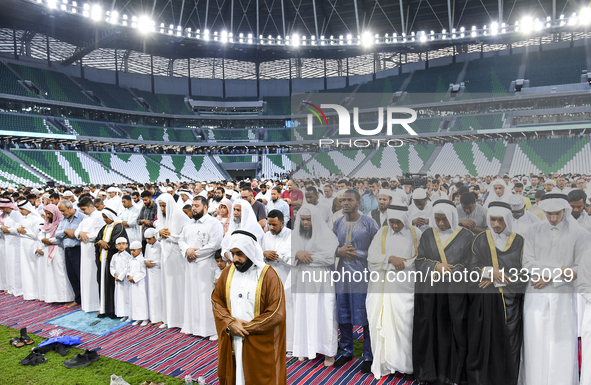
522,218
243,218
214,203
184,199
264,194
147,215
354,232
313,252
199,241
419,211
380,215
277,252
311,196
169,227
471,215
576,200
137,201
249,310
276,203
129,218
12,243
260,212
495,330
439,343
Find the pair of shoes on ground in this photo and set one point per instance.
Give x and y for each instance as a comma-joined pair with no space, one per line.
140,322
82,360
33,359
23,340
365,366
58,347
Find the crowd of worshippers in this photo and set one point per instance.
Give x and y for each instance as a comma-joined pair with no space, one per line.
228,261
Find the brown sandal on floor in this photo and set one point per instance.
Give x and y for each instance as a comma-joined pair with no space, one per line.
17,342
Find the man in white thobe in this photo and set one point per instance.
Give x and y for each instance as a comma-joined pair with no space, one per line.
12,245
313,254
277,251
553,250
390,302
114,201
169,227
185,198
311,196
129,219
243,218
86,233
522,218
29,230
153,260
199,241
420,209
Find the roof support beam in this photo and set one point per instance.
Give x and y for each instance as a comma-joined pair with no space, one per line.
89,47
316,19
357,17
449,15
402,17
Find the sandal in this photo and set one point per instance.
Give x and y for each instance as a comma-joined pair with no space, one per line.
25,339
34,359
17,343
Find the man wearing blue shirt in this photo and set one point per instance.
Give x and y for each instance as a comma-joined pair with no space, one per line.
65,233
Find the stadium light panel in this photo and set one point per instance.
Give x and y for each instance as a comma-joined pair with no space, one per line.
114,17
96,12
585,15
52,4
573,19
494,28
295,40
224,37
250,38
526,25
85,9
366,39
349,39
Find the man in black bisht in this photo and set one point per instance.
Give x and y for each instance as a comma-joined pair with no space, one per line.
104,251
495,309
439,341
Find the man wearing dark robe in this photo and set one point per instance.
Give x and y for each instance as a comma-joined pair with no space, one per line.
249,310
495,307
104,251
355,233
439,342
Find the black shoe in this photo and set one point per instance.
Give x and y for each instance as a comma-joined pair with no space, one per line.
409,377
61,349
102,315
92,355
34,359
366,366
342,361
45,348
79,361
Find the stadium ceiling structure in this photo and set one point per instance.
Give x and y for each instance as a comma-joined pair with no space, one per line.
266,30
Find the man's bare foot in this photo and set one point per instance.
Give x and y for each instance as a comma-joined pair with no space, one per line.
328,361
150,323
157,324
70,305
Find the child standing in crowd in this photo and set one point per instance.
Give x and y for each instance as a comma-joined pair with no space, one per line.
152,260
119,268
138,298
221,262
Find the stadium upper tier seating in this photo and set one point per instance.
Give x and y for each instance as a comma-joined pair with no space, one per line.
26,123
431,85
477,122
12,172
490,77
378,93
276,164
474,158
279,135
111,95
164,103
561,66
53,85
137,167
236,158
278,105
90,128
9,83
562,155
232,135
160,134
69,167
388,161
195,167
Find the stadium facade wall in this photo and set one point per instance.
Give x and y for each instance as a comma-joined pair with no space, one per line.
238,88
277,87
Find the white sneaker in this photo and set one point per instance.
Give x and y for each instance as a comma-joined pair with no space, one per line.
163,326
123,319
213,338
144,323
136,323
289,354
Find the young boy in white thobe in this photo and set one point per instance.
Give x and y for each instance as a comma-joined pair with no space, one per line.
138,298
221,262
119,267
152,260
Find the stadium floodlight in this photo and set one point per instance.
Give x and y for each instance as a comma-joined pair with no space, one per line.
585,16
241,38
188,32
270,39
224,37
206,34
443,34
114,17
39,1
179,31
303,40
462,30
322,40
170,29
494,28
134,22
124,21
473,33
52,4
96,12
250,38
573,19
538,24
85,10
74,7
295,40
366,39
162,29
349,39
526,24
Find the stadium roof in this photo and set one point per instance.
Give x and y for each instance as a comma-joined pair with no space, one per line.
197,28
